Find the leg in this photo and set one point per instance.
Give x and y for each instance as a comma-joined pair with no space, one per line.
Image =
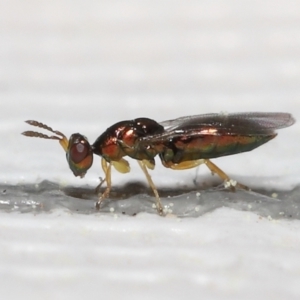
188,164
107,170
228,182
98,187
159,206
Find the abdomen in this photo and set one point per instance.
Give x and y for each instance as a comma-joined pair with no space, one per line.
211,146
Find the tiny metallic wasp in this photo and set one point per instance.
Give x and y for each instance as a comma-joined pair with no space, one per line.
181,143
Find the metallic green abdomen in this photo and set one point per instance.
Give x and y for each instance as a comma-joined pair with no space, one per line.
211,146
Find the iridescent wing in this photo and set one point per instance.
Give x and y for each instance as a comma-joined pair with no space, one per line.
249,124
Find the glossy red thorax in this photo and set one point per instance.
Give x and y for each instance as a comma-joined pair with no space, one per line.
122,139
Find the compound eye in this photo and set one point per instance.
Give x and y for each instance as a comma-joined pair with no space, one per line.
78,152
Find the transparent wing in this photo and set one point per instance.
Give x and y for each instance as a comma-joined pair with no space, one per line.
252,123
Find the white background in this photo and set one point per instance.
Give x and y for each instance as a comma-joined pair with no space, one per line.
80,66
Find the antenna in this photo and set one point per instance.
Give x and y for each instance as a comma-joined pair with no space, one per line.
61,137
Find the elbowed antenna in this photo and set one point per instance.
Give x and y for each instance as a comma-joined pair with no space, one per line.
61,137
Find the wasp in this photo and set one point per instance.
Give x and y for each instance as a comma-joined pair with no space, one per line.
181,143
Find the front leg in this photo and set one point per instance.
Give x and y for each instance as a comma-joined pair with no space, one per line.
98,187
107,171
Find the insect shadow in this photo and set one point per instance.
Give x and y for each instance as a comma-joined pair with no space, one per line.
134,197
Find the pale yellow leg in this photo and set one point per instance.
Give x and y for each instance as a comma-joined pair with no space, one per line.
189,164
102,180
228,182
107,171
159,206
213,168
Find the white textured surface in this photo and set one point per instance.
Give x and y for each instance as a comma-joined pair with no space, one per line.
83,65
225,255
